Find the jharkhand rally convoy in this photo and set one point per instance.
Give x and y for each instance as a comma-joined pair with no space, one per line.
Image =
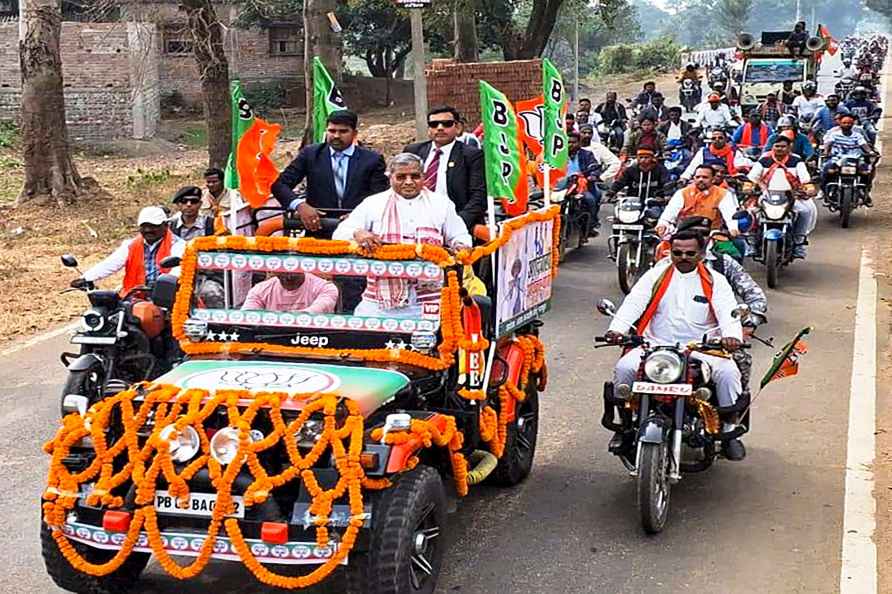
301,368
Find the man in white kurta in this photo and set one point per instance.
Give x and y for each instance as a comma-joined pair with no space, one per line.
407,213
684,314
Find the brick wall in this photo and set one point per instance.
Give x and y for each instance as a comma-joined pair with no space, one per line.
109,72
458,84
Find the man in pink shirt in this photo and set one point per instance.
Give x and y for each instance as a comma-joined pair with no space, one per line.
295,291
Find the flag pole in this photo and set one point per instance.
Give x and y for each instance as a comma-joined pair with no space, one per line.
547,189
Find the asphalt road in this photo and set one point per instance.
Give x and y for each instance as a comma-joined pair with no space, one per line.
769,524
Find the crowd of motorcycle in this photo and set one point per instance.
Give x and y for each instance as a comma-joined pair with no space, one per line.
688,134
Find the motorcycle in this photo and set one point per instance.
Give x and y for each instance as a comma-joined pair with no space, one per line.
575,217
633,241
689,94
677,158
774,240
671,404
123,339
849,185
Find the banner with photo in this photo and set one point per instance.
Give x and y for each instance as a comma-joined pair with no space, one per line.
524,276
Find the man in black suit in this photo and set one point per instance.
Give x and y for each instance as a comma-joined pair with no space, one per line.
453,168
339,173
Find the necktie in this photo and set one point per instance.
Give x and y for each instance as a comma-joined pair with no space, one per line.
340,174
430,176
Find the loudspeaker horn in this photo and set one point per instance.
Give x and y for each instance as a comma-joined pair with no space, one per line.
745,41
816,44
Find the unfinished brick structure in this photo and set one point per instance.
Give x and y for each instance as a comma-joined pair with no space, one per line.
110,72
458,84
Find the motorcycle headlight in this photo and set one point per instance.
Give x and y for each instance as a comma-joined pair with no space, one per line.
628,216
774,211
663,367
92,321
184,443
309,433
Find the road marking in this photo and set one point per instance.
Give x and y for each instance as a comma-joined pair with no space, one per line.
858,574
38,339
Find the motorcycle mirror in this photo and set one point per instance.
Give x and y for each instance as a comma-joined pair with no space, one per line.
170,262
69,261
606,307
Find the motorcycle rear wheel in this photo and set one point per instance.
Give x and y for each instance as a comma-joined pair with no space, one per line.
653,486
772,263
845,207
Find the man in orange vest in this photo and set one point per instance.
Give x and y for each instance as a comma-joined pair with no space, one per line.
141,256
679,301
701,199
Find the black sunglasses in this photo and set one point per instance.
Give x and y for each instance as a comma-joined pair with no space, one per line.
441,123
190,200
686,254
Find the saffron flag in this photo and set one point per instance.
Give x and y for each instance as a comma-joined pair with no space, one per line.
786,362
250,168
505,158
326,99
531,123
832,45
555,95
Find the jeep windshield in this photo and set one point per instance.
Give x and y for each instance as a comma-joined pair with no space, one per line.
774,71
324,302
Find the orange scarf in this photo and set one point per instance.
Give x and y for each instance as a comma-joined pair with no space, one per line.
135,267
662,285
727,155
700,204
792,178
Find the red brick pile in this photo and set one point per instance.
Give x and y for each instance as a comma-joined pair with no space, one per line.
457,85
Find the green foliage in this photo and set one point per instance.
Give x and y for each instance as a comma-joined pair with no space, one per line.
9,134
147,179
597,29
732,17
265,97
661,54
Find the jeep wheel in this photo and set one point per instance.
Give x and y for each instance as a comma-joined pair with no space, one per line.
520,443
120,581
405,549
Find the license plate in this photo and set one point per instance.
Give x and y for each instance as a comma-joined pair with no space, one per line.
848,171
667,389
627,227
200,504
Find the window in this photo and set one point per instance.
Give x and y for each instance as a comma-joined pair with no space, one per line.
285,40
177,40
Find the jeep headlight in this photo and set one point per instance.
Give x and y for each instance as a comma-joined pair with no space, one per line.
225,443
663,367
184,443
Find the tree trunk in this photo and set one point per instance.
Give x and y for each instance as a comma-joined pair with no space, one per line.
49,169
466,47
531,43
213,69
321,41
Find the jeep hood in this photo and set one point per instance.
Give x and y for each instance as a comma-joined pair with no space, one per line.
370,388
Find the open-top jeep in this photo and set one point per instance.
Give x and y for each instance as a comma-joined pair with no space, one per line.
325,440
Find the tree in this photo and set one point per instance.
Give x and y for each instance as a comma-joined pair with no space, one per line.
319,41
49,168
466,45
213,70
732,16
380,33
523,26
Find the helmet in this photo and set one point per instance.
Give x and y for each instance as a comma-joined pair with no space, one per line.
786,122
809,86
789,134
859,90
691,66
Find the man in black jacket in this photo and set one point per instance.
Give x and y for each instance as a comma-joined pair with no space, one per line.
339,173
646,179
453,168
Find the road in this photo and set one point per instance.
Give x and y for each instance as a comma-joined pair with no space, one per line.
770,524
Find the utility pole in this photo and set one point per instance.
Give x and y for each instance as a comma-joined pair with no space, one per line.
420,82
797,11
576,65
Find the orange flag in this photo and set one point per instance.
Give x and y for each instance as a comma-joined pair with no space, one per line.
256,170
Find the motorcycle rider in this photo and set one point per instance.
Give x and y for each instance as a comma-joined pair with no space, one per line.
788,93
715,114
646,96
844,140
584,104
801,144
646,178
771,110
859,104
676,128
608,163
809,102
141,256
646,136
781,171
657,110
702,199
583,163
614,116
825,119
754,133
719,150
690,72
678,301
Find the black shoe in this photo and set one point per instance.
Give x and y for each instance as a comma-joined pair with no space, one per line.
593,232
868,202
734,450
616,442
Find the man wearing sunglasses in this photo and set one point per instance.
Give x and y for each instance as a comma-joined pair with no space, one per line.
679,301
188,223
452,168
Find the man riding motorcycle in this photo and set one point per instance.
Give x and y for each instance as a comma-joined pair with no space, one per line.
719,150
859,104
646,96
614,116
608,163
679,301
582,162
780,171
754,133
701,199
771,109
676,128
658,111
825,119
690,72
801,144
809,102
715,114
647,177
646,136
841,141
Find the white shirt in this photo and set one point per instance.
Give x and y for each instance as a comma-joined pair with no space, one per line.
707,117
684,314
118,259
608,160
779,181
728,207
740,160
446,152
428,209
674,131
805,106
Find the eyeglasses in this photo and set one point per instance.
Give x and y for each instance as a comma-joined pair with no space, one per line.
190,200
441,124
684,254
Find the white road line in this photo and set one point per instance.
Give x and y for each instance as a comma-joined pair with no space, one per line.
859,553
21,346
